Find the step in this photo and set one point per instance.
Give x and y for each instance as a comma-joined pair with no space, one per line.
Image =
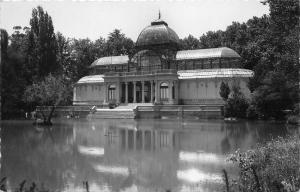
113,114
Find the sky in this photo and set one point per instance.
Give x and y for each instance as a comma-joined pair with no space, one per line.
94,18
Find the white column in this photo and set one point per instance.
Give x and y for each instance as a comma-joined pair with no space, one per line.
134,91
176,90
170,90
118,91
157,92
106,93
151,91
74,94
143,91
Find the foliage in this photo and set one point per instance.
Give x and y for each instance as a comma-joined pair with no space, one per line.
276,94
119,44
41,46
224,91
12,81
272,167
211,39
252,113
36,51
236,104
52,91
190,42
293,119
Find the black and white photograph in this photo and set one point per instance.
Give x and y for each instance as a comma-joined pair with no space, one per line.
149,96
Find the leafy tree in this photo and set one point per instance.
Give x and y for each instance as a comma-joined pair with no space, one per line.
52,91
212,39
63,55
3,58
81,55
4,43
41,46
118,44
276,94
224,91
190,42
12,81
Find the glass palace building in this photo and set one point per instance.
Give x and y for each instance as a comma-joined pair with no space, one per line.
160,73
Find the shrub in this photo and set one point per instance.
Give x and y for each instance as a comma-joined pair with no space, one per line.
251,112
224,91
272,167
236,104
293,119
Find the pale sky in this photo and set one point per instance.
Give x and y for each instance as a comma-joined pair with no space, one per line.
92,19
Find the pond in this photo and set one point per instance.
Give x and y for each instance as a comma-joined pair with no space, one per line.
127,155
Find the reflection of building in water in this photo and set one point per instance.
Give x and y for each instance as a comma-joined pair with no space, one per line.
147,139
165,154
123,155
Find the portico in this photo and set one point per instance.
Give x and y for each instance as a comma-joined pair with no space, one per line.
161,89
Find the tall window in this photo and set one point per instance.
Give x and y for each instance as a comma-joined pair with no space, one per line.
111,92
164,91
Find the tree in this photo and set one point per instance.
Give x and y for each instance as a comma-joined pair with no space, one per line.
118,44
276,94
81,55
52,91
4,43
212,39
224,91
190,42
41,46
12,69
3,58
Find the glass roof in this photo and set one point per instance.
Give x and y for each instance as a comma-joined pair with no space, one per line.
215,73
221,52
111,60
91,79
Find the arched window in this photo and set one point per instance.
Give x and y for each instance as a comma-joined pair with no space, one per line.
111,92
164,91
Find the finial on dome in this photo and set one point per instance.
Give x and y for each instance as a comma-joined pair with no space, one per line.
159,21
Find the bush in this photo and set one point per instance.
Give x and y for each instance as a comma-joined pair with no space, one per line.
272,167
276,94
293,119
252,113
224,91
236,105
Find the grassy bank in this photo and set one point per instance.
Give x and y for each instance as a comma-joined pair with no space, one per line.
272,167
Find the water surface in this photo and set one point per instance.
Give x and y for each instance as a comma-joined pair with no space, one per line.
127,155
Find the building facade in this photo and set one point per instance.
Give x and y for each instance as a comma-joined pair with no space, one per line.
160,73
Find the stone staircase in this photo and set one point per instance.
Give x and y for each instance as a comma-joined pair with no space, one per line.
123,111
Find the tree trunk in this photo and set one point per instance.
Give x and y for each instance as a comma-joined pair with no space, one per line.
48,120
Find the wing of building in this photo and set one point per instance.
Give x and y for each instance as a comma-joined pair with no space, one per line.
159,72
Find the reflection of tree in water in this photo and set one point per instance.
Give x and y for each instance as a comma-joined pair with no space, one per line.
151,159
245,133
267,131
225,145
36,154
